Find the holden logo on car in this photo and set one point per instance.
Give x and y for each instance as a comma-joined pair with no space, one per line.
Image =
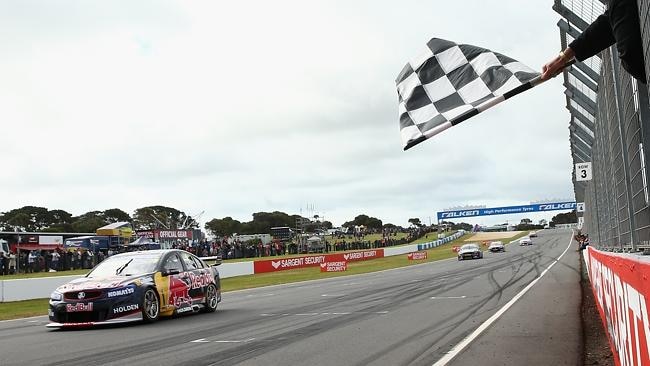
81,295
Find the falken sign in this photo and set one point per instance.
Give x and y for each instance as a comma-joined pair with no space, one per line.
539,207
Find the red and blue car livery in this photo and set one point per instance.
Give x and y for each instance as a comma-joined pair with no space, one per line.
137,286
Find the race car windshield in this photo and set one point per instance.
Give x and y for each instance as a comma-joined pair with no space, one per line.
125,266
468,247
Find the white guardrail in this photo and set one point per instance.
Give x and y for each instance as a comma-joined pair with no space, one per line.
38,288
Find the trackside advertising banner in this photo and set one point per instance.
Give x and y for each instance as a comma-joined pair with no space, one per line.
540,207
621,289
416,256
315,260
340,266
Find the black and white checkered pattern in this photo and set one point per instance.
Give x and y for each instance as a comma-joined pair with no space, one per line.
448,81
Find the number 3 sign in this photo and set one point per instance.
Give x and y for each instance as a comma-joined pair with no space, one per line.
583,171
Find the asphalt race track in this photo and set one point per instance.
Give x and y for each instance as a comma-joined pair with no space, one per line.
409,316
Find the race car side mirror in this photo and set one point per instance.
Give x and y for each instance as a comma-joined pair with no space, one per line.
217,261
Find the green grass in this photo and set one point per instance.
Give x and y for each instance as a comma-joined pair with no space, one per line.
427,238
22,309
305,274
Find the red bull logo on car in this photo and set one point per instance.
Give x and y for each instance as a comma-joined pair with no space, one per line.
80,307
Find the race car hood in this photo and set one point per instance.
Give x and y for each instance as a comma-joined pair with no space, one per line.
463,251
94,283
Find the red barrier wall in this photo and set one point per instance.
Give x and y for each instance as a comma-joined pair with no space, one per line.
621,289
314,260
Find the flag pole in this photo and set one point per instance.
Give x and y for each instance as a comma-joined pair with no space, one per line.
485,106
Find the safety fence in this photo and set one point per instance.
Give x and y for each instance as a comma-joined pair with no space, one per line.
609,132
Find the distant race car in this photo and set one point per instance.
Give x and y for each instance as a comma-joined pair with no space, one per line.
497,246
137,286
470,251
533,234
525,241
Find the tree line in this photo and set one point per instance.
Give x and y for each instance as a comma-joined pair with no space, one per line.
33,218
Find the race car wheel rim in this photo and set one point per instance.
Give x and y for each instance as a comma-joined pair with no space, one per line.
151,304
211,296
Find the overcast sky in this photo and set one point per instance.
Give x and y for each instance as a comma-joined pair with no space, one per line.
235,107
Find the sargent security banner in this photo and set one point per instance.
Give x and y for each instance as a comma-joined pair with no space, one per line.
315,260
539,207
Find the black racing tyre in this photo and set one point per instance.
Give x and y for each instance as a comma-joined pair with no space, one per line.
211,299
150,306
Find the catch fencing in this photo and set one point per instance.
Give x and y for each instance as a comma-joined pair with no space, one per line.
609,128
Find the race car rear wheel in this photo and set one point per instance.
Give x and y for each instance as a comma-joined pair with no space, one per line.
211,299
150,306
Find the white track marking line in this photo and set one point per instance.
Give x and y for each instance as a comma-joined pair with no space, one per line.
237,341
200,340
465,342
31,317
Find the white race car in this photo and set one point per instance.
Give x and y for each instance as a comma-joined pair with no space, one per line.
470,251
497,246
525,241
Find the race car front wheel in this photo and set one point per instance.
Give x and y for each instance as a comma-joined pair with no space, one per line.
150,306
210,298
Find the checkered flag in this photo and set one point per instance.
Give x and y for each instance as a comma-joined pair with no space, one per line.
449,83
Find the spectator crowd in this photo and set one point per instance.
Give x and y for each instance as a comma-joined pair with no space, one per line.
32,261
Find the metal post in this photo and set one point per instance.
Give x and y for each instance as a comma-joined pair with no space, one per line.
622,141
18,254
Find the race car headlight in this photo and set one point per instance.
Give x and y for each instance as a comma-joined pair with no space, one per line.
57,296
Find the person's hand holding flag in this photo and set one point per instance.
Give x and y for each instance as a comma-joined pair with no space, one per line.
555,66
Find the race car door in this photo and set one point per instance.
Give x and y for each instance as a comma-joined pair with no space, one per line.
198,276
177,295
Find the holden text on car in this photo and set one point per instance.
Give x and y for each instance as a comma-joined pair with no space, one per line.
137,286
